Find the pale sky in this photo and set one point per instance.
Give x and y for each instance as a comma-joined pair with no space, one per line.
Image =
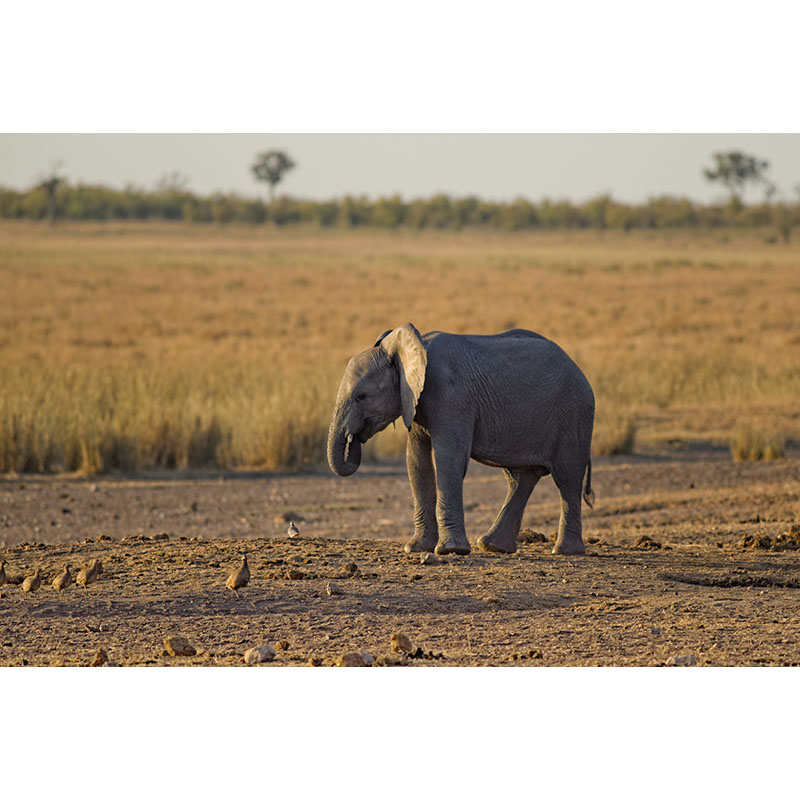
493,166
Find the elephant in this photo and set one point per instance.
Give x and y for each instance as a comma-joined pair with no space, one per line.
513,400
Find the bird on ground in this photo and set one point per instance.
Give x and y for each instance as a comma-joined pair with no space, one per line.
62,580
239,578
293,531
89,573
32,582
3,576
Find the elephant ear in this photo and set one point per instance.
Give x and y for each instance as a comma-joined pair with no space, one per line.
405,348
382,337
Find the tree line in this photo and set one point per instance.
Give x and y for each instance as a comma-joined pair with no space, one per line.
93,202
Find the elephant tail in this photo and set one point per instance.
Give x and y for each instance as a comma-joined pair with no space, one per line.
588,494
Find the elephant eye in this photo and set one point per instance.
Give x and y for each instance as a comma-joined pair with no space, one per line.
360,396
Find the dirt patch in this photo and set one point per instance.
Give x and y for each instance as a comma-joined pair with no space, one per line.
345,586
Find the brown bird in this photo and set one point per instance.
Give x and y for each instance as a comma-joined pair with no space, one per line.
32,582
3,576
89,573
62,580
239,578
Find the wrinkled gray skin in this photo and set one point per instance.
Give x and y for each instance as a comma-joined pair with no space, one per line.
515,401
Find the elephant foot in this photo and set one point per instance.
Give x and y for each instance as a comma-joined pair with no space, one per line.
494,544
419,544
457,545
569,547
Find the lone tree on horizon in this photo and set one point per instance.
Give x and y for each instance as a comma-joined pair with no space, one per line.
50,184
735,170
270,167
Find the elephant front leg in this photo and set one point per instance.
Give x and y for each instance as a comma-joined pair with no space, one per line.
502,536
450,470
422,478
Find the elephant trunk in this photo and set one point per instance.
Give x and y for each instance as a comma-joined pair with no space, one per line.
344,450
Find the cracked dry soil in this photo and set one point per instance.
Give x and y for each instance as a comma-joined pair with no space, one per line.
621,604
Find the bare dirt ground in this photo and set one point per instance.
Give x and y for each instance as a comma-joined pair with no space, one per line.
694,592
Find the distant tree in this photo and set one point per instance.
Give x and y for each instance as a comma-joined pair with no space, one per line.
270,167
50,184
735,170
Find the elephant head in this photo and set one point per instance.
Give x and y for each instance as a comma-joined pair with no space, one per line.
378,386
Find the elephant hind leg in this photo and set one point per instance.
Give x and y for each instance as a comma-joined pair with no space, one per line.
569,540
502,536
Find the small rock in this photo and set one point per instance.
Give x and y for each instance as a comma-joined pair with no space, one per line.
179,646
528,536
314,661
161,537
103,538
401,643
655,630
355,660
755,542
428,559
100,658
687,660
333,588
257,655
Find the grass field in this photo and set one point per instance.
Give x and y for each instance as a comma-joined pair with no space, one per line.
134,346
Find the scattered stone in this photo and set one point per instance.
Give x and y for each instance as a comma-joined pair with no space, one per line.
355,660
100,658
179,646
655,630
535,654
333,588
687,660
401,643
258,655
428,559
161,537
420,653
314,661
103,538
787,541
529,536
646,543
282,645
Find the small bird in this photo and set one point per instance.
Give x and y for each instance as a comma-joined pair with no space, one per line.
89,573
32,582
62,580
3,576
292,531
239,578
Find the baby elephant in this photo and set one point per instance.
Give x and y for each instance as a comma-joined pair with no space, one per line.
515,401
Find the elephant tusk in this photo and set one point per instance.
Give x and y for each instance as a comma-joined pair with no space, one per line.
349,438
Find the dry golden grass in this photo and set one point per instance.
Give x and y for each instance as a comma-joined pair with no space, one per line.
144,345
752,444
